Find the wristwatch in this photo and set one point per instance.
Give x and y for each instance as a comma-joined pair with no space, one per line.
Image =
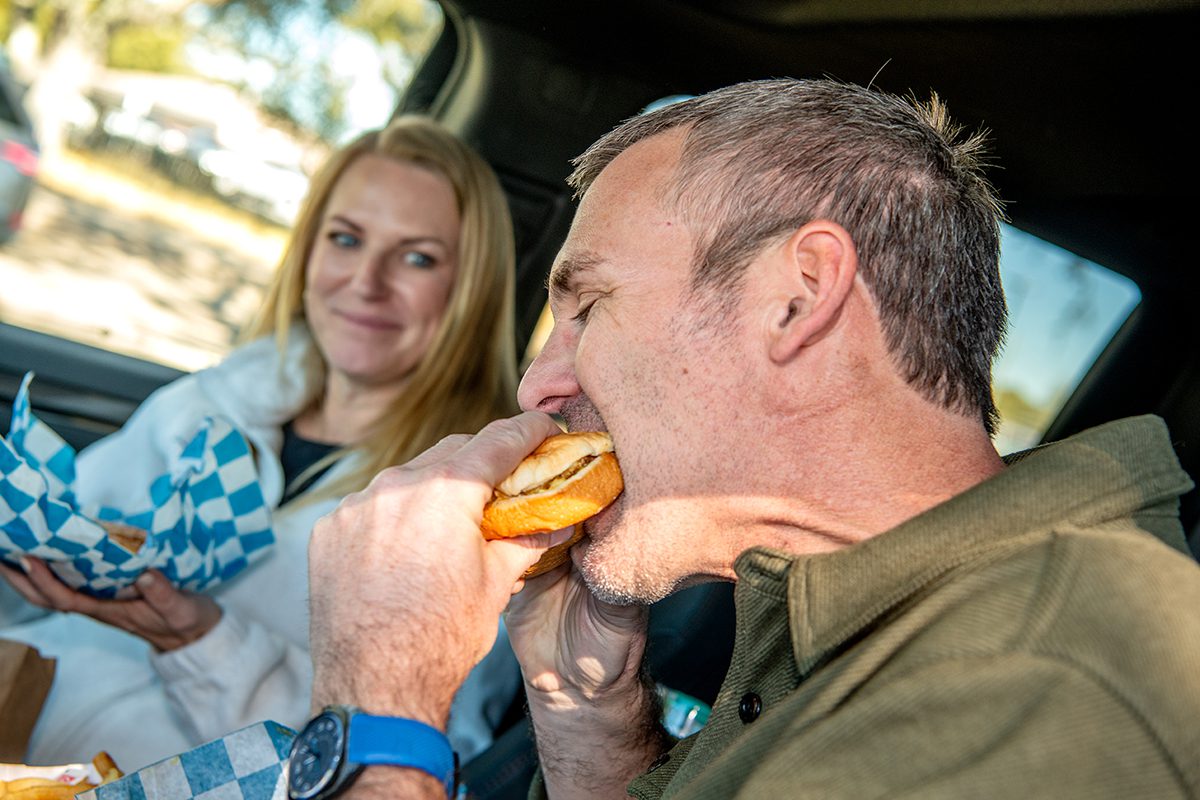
332,749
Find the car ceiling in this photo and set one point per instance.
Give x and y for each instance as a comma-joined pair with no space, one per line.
1086,102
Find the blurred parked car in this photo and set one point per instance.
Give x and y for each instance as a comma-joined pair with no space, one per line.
18,157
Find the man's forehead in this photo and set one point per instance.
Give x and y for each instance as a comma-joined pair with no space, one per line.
621,209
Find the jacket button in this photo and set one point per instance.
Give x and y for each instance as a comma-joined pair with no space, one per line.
750,707
658,762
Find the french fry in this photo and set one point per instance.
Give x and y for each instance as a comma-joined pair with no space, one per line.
108,769
39,789
50,789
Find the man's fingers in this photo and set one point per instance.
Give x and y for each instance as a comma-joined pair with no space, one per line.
522,552
444,449
497,449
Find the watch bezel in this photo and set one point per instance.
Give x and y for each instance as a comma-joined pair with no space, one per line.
340,771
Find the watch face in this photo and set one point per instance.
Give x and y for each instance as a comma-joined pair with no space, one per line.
315,756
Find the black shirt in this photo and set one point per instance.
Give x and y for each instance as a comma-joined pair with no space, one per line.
299,454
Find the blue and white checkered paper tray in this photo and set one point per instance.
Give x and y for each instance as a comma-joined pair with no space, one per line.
245,765
205,519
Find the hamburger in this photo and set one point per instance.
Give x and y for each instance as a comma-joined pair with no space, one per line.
567,479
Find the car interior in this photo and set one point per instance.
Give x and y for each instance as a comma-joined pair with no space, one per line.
1084,101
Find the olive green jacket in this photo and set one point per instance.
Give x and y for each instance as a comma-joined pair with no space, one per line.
1035,636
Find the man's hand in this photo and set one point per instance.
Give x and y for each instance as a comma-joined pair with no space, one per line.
596,719
160,613
405,593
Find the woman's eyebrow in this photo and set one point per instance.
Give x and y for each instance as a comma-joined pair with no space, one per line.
349,223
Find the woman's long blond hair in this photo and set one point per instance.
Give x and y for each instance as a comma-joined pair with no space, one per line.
467,377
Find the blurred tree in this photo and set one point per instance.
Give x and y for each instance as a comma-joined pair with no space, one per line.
1014,406
72,42
285,98
298,38
149,48
293,38
403,29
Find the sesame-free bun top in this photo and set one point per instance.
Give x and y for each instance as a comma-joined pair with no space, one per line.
537,497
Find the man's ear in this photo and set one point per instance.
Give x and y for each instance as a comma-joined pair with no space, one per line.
819,263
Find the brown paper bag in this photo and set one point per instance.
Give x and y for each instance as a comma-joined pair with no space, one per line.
25,679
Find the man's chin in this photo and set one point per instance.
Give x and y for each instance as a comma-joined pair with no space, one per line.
614,575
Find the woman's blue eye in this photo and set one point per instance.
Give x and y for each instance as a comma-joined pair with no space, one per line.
343,239
417,259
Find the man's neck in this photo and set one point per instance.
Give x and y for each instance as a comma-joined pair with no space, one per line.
854,477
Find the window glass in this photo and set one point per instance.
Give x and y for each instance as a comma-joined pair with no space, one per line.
1063,311
147,189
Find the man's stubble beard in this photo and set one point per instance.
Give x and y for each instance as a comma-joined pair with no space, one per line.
620,572
618,568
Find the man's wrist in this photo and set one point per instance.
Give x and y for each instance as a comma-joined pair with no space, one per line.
630,700
377,690
331,752
379,782
625,725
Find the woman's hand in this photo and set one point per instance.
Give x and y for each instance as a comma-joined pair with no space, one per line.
164,616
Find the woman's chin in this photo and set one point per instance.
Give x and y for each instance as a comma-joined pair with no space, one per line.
375,374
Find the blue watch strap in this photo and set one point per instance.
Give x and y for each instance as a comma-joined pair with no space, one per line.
401,742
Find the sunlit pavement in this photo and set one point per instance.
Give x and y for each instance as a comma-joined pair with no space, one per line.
107,264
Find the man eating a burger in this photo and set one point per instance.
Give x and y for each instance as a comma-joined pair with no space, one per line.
782,302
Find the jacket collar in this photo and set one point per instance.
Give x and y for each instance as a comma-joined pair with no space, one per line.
258,385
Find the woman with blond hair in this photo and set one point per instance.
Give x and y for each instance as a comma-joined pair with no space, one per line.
388,327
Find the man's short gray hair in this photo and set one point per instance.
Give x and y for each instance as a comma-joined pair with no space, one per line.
761,159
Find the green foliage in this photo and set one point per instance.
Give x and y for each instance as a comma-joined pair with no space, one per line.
275,14
297,37
7,19
46,20
309,80
403,29
412,24
147,48
1013,405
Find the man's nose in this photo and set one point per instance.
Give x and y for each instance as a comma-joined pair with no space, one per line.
550,380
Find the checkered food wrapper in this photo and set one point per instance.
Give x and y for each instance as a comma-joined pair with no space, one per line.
205,520
245,765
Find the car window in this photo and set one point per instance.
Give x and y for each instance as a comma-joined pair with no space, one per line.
1063,311
146,200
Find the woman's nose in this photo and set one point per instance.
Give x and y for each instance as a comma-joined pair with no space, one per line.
370,276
